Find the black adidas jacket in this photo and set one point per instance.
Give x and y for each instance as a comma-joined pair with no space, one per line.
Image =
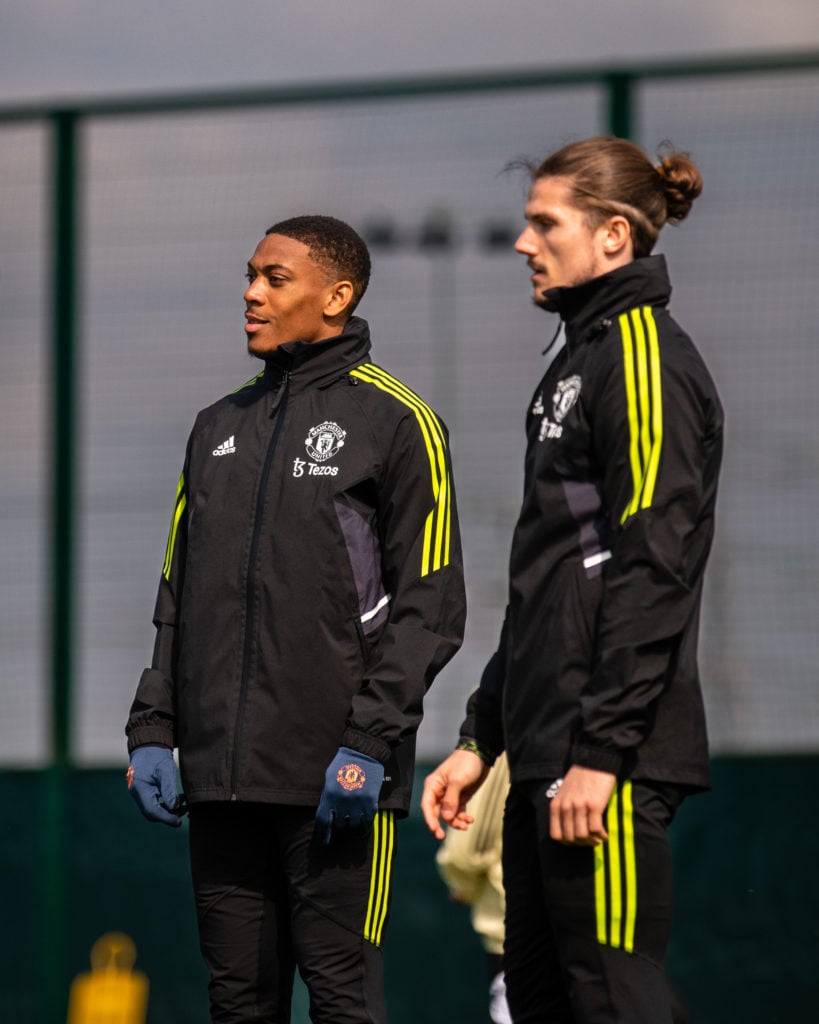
597,664
312,585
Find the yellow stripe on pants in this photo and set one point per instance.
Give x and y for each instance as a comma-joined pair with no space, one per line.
380,876
615,874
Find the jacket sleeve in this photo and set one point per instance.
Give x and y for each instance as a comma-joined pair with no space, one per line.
422,569
484,709
657,429
152,716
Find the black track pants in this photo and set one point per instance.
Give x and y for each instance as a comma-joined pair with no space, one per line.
587,928
270,897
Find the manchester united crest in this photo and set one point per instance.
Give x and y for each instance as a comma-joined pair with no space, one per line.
324,441
351,777
565,396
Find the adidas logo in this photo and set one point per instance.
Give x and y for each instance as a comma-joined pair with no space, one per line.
226,447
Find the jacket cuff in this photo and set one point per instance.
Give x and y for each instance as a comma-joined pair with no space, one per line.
366,744
597,758
484,730
484,753
149,736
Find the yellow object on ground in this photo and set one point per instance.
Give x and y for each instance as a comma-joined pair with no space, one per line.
112,992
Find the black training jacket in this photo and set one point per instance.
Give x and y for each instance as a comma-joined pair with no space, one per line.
597,664
312,585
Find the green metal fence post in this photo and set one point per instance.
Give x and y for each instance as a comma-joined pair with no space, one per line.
621,102
53,928
63,332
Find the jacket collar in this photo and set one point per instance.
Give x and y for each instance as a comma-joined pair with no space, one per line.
320,362
588,306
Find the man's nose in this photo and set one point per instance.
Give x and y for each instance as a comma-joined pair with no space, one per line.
526,242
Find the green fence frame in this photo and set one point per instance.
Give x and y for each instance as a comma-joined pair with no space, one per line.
618,118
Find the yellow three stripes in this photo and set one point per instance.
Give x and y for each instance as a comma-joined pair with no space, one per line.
437,526
644,399
379,901
249,383
179,508
615,874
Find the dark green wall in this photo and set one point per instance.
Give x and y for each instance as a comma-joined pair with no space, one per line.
745,948
746,940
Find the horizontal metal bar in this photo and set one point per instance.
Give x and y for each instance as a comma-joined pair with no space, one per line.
408,87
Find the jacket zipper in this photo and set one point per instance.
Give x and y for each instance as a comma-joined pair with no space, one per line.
279,409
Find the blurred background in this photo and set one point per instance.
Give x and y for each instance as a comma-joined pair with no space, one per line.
142,156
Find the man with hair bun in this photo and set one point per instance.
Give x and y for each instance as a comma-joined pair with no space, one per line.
594,691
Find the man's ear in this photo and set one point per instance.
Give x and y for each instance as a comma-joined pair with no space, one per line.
339,297
617,240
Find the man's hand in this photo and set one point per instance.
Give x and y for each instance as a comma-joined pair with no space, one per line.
349,799
449,788
576,812
152,783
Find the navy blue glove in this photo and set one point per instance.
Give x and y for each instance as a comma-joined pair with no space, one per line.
349,799
152,783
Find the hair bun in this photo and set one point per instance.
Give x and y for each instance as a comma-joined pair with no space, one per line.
682,183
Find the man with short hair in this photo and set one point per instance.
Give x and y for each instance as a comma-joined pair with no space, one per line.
594,691
312,588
